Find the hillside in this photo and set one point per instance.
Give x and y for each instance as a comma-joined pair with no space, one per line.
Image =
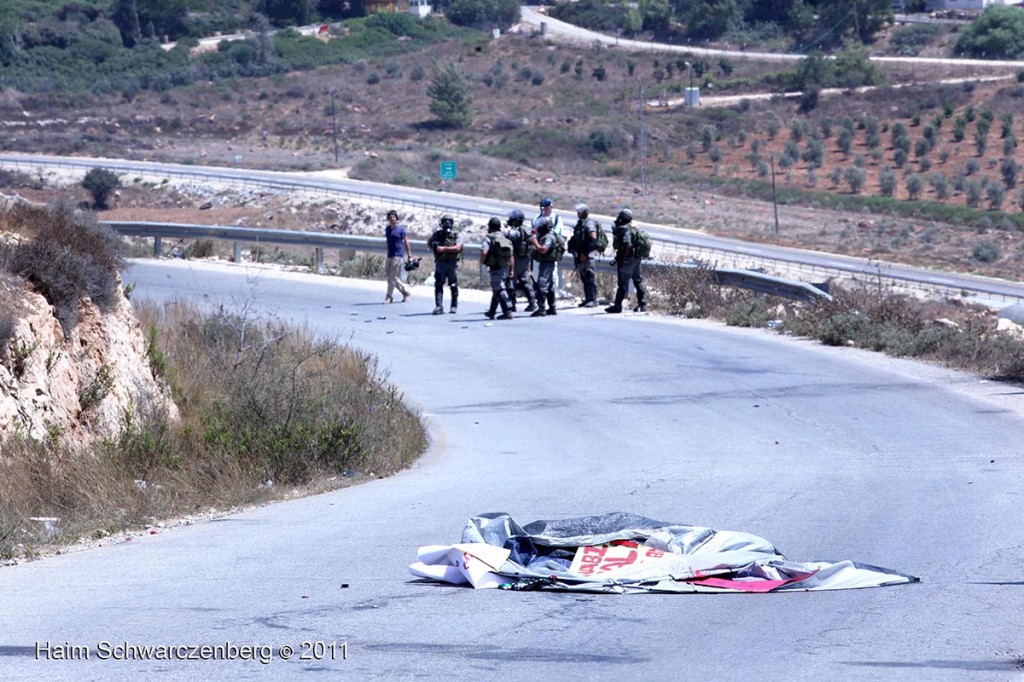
922,173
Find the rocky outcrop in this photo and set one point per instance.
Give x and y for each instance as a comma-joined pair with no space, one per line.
76,387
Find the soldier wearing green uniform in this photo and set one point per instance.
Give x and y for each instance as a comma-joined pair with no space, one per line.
446,245
496,253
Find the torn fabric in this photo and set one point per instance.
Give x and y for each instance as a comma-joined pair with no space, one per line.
621,552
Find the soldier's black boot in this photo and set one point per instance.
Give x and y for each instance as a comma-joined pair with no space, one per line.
505,308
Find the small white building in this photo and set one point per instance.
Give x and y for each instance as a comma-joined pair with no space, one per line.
420,8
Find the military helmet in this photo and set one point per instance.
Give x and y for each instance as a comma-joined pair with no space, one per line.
447,221
542,223
493,224
582,208
625,216
516,217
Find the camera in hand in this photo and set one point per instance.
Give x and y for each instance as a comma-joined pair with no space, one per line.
413,264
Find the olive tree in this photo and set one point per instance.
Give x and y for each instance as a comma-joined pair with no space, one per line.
100,183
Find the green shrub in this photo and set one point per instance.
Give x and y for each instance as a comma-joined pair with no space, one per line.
100,183
69,256
395,23
986,252
910,40
753,312
201,248
997,34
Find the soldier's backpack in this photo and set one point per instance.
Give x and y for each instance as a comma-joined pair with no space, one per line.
601,243
641,243
522,241
578,241
559,247
499,252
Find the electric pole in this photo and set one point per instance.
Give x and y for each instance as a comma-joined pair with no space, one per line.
775,200
334,118
643,146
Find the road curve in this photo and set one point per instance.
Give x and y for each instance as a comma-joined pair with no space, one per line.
829,453
558,29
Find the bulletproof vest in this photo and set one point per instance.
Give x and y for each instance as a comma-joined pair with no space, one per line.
446,238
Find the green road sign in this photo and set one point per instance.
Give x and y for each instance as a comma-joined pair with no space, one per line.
448,169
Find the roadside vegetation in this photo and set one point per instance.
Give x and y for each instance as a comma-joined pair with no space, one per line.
266,409
869,315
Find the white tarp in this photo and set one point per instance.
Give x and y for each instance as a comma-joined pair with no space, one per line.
621,552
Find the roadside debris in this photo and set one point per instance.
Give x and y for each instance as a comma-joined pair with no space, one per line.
621,553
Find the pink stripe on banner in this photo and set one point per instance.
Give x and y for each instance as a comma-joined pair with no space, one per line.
756,586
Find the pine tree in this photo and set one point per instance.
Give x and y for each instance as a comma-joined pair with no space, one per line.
450,98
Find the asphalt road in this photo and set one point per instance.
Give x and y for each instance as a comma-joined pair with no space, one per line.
829,453
556,29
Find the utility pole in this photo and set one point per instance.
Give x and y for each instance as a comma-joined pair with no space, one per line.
775,202
643,146
334,118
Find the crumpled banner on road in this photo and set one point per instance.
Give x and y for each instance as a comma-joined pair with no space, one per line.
621,553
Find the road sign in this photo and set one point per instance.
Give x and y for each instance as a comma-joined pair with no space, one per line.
448,170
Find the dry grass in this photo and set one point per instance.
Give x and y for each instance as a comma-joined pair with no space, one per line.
866,315
260,402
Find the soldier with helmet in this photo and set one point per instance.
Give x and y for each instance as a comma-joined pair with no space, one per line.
547,210
627,263
522,279
544,244
582,246
446,245
497,254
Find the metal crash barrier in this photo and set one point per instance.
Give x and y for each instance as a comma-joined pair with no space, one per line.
746,279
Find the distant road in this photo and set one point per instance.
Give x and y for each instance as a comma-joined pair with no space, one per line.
559,30
212,42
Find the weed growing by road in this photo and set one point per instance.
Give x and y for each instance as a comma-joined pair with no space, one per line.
864,315
265,409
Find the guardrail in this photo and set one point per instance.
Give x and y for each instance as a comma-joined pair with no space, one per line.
675,247
776,286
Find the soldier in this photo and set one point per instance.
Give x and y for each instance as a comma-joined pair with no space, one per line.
446,244
547,211
522,279
398,250
497,254
544,243
628,265
582,246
